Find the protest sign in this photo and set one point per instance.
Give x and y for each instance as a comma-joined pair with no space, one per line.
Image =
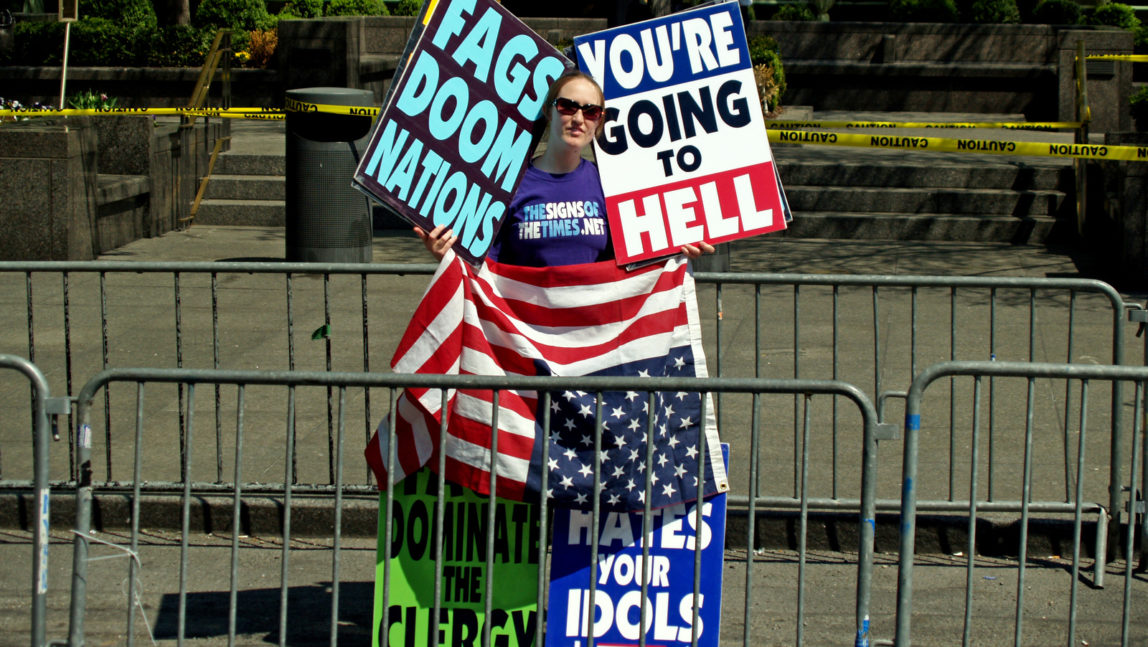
453,141
684,155
407,620
617,608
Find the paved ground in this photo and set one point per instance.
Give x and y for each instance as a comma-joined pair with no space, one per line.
251,317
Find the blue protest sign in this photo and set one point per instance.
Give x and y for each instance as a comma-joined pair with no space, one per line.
616,614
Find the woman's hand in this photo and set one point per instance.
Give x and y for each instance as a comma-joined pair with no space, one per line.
694,251
440,239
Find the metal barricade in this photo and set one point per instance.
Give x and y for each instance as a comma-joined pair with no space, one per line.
40,493
247,485
918,423
870,331
82,317
877,331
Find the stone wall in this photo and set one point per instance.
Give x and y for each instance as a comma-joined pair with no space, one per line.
1116,226
932,67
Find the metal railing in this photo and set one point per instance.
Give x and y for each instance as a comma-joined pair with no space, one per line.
876,332
40,492
1076,506
870,331
241,488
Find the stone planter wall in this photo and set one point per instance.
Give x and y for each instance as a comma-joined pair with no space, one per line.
59,204
49,206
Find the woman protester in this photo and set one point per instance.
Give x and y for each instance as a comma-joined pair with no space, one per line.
559,179
555,244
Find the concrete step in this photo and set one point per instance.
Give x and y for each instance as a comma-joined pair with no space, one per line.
808,199
247,164
923,226
833,194
246,187
253,213
954,176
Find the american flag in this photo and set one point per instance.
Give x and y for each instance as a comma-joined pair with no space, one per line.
593,319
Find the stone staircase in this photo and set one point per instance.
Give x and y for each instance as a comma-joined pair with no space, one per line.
868,194
246,189
834,192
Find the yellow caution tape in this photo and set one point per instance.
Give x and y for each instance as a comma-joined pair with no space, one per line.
777,130
1135,58
1006,125
981,146
253,116
293,105
241,113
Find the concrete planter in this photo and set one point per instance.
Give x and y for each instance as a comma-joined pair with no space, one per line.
125,144
48,180
77,187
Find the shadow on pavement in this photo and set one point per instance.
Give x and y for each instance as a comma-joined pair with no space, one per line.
308,614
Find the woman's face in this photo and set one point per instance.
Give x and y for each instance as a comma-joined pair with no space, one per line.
575,131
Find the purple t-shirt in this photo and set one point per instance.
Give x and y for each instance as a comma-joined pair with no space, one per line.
555,219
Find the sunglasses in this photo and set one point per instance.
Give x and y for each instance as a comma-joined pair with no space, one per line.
567,107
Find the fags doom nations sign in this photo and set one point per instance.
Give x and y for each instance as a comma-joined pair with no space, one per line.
683,155
454,138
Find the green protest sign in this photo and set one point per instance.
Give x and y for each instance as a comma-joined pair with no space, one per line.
465,526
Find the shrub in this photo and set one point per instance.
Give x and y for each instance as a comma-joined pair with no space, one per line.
234,14
800,12
987,12
1140,39
105,42
1057,12
408,7
1114,14
37,43
125,12
302,9
261,47
1139,103
767,71
177,46
923,10
357,8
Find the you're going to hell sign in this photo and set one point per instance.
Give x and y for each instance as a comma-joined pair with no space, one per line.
683,156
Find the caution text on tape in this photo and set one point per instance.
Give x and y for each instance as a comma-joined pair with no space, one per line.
941,145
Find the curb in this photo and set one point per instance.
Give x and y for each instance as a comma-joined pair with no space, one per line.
313,517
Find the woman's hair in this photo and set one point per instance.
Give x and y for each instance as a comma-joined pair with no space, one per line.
560,82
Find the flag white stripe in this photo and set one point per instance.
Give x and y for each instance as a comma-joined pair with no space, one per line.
443,325
482,412
478,457
526,337
575,296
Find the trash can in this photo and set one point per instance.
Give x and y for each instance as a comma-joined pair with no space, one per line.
327,220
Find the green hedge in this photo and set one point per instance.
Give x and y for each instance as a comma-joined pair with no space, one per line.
990,12
1057,12
108,43
123,33
924,10
234,14
357,8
